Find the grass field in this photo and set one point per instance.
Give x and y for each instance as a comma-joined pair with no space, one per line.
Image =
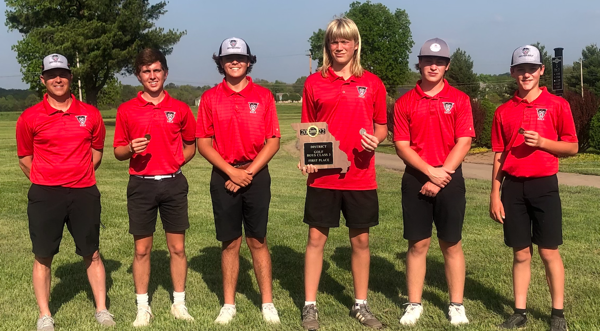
488,290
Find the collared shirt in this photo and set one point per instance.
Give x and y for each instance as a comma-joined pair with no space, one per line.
169,124
347,106
240,122
548,115
61,143
432,124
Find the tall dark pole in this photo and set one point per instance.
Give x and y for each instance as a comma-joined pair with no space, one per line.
557,71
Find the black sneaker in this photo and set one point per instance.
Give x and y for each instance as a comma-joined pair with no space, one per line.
364,315
558,324
309,317
515,321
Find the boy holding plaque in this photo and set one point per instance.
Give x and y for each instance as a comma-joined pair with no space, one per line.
529,133
352,101
156,134
238,133
433,128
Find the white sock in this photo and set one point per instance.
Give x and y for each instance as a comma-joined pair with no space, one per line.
229,306
358,302
142,299
178,297
306,303
268,304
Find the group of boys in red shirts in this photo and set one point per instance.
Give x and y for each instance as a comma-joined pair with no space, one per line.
60,144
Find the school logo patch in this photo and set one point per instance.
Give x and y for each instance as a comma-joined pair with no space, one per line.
170,116
448,107
362,90
253,106
541,112
55,58
525,51
232,42
81,119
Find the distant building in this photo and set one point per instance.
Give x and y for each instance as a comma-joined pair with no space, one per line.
197,101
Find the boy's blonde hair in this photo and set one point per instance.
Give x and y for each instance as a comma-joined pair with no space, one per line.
344,28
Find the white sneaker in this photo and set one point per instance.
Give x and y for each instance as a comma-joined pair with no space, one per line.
144,314
180,311
270,314
412,313
457,315
225,315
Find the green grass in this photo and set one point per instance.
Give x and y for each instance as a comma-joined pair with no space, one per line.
582,163
488,292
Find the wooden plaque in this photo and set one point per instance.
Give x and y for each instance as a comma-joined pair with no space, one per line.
319,147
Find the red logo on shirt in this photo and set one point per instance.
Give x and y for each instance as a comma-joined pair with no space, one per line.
81,119
362,90
541,113
170,116
448,107
253,106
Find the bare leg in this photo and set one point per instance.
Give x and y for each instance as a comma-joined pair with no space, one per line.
141,263
230,266
313,260
176,245
42,276
97,278
416,266
454,263
521,275
361,260
261,260
555,275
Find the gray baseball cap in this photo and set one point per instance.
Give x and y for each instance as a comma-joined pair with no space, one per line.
435,47
526,54
231,46
55,61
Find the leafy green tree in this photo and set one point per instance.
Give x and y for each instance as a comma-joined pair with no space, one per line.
591,71
461,73
110,96
107,35
298,86
386,42
546,79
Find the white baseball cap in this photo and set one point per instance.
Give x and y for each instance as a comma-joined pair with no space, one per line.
55,61
526,54
231,46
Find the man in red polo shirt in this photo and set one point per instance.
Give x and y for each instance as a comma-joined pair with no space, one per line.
238,133
433,128
156,134
529,133
353,103
60,142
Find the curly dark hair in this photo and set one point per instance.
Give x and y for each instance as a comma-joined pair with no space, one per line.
217,60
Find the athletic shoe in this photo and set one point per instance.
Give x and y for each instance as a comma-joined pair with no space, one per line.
310,316
180,311
144,314
515,321
105,318
364,315
457,316
412,313
558,324
45,323
270,314
225,315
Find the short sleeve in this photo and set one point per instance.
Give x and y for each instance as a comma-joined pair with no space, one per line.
121,134
401,126
205,127
24,134
271,121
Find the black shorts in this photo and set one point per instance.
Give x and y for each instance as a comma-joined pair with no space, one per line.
248,206
533,211
446,209
168,196
359,207
50,207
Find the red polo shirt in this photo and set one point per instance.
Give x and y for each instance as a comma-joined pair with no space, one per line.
432,124
347,106
61,143
548,115
169,124
240,122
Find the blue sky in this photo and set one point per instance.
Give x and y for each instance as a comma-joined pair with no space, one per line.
277,32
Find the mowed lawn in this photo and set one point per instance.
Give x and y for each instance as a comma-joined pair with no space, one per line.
488,293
